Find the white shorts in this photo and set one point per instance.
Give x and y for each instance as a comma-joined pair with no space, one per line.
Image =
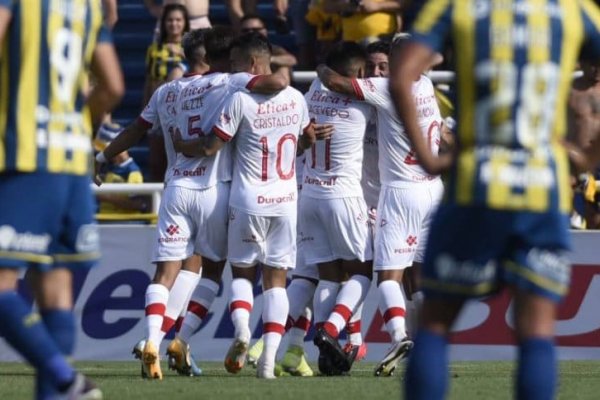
270,240
402,226
333,229
192,221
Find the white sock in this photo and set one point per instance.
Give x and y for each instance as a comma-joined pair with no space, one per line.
354,327
275,312
179,294
300,292
393,309
324,300
413,308
202,298
240,307
350,296
157,296
300,327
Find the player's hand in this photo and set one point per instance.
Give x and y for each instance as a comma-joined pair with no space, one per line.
97,179
323,131
177,139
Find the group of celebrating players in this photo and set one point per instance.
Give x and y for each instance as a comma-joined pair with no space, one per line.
261,175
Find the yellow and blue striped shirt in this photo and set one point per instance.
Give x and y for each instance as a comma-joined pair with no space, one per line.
46,53
514,60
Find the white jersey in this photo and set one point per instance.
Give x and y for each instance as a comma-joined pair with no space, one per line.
398,165
160,113
266,130
198,106
333,166
370,168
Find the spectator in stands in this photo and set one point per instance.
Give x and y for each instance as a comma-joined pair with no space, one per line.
584,127
364,21
166,53
237,9
163,59
328,28
197,10
120,169
281,58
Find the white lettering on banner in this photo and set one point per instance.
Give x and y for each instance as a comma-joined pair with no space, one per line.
110,309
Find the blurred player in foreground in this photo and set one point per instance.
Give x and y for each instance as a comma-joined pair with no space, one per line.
504,222
46,219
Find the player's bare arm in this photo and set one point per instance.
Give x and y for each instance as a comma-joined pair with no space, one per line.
212,146
126,139
334,81
415,58
282,58
109,87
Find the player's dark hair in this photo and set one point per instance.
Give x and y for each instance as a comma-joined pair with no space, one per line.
217,42
344,56
380,46
253,43
193,46
168,9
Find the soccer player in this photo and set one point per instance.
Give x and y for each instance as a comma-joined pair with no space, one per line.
198,108
342,246
408,196
262,216
504,219
194,193
46,218
173,232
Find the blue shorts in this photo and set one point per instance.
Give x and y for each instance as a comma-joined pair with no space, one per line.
474,251
47,221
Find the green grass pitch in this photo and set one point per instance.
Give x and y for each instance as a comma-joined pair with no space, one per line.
469,380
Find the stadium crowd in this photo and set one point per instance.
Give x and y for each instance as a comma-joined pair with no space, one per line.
317,194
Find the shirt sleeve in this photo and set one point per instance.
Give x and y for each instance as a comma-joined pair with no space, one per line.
372,90
149,116
305,117
242,81
230,119
433,23
135,177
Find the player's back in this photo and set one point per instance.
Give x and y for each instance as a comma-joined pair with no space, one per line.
513,73
199,105
264,176
333,166
44,123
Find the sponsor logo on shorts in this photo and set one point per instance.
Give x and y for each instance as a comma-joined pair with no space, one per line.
550,264
276,200
88,239
11,240
172,230
251,239
411,240
304,238
449,268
